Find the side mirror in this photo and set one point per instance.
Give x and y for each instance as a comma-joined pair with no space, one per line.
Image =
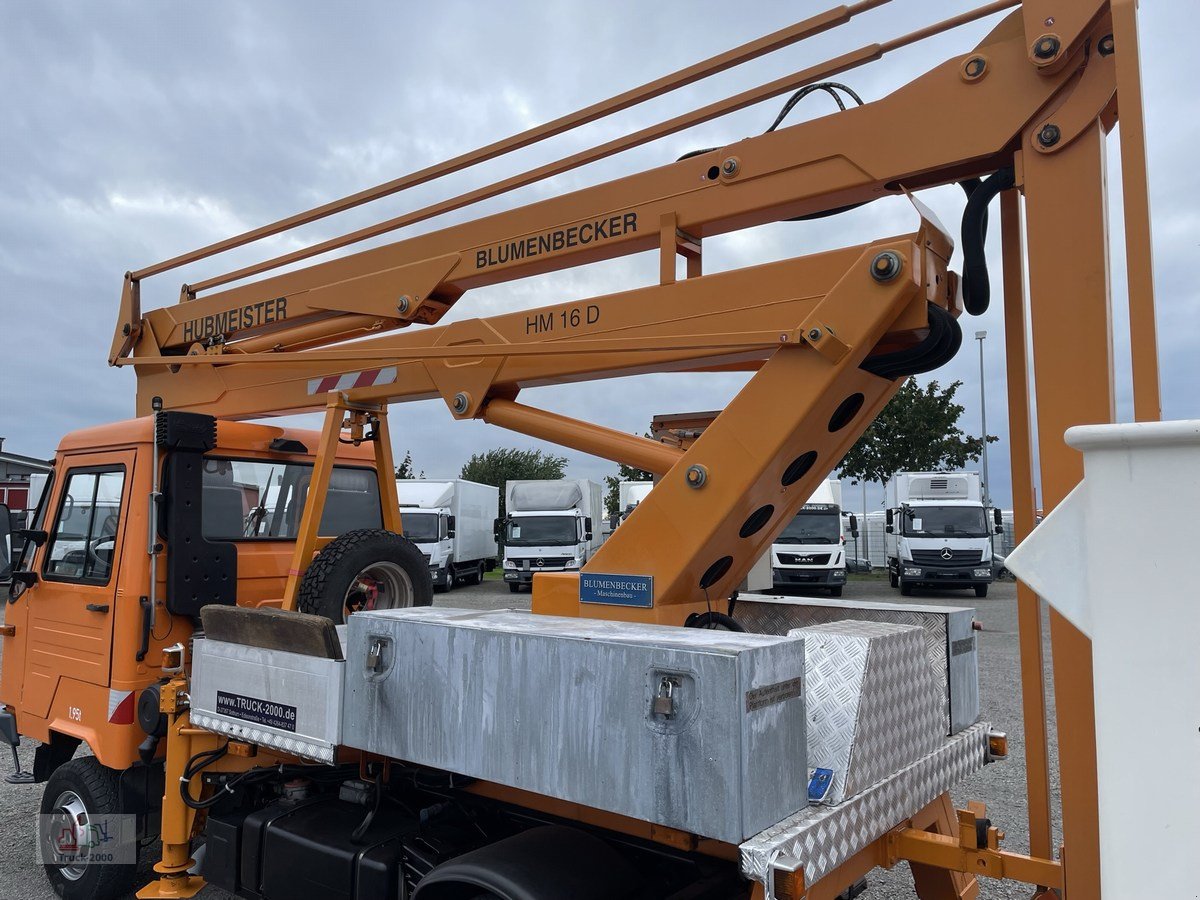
889,529
999,529
587,528
889,517
450,526
6,554
853,525
496,529
998,516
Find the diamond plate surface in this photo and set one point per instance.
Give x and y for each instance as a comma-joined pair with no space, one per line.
771,615
874,705
821,838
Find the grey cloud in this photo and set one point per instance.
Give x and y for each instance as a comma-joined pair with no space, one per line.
131,133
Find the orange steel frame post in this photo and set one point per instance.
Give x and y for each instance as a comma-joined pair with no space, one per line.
1038,94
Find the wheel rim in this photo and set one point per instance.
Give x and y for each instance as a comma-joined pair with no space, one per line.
381,585
70,821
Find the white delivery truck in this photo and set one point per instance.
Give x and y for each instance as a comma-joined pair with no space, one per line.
548,527
451,523
811,550
629,495
939,533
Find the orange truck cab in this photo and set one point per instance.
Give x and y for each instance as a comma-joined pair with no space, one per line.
117,565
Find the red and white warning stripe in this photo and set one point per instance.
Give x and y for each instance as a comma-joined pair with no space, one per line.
352,380
120,707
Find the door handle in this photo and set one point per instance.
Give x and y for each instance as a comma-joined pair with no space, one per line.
97,607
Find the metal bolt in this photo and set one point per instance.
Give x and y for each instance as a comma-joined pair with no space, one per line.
125,329
1049,21
975,66
1049,135
783,338
403,304
1046,47
730,167
461,402
696,476
814,334
886,266
1106,45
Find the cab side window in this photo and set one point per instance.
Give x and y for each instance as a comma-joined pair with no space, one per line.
83,541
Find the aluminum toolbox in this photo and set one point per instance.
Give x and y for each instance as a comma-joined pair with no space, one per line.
286,701
949,637
578,709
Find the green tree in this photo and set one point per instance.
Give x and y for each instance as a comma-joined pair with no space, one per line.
917,431
612,500
406,468
503,464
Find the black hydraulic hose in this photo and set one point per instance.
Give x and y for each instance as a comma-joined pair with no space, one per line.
976,286
713,620
938,348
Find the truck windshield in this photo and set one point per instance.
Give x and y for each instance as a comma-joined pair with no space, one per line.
263,499
944,521
822,526
420,527
541,531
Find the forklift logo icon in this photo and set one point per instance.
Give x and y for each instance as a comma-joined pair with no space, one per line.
947,553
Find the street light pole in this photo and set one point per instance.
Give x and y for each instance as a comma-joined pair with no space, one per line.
987,483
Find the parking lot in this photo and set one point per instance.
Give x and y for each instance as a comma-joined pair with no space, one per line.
1000,786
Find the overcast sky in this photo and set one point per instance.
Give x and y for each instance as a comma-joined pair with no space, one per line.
130,132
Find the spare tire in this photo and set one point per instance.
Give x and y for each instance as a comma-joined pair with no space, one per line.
366,569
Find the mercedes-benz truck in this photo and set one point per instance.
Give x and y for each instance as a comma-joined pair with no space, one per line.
548,527
939,532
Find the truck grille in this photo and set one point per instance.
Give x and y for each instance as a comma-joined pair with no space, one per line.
955,558
804,559
545,562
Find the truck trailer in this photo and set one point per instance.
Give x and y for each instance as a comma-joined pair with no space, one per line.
451,522
548,527
811,549
939,532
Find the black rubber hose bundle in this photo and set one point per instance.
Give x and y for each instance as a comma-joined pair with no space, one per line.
976,286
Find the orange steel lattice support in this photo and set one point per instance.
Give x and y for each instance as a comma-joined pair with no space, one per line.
1029,609
1070,321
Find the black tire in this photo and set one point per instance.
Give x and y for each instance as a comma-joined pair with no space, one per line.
906,589
85,783
477,578
336,582
514,588
981,590
835,591
893,580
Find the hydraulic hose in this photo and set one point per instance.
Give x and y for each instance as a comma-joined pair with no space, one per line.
976,286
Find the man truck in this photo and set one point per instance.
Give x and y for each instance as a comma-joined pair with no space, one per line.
939,532
548,527
811,549
451,524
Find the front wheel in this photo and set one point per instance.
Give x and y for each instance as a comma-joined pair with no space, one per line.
981,590
906,589
514,587
476,577
835,591
366,569
84,839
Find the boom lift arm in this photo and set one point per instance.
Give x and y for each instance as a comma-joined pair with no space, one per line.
828,336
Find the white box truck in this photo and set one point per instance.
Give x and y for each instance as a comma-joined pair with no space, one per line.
938,531
548,527
811,550
629,495
451,522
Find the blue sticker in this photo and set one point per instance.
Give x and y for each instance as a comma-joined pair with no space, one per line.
819,785
616,590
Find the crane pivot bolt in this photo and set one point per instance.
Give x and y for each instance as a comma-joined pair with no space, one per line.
461,402
403,304
886,266
975,67
1106,45
1046,47
814,334
696,476
730,167
1049,135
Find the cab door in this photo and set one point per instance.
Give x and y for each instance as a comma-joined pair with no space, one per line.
71,608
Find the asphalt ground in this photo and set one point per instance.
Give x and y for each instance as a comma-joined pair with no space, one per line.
1000,786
